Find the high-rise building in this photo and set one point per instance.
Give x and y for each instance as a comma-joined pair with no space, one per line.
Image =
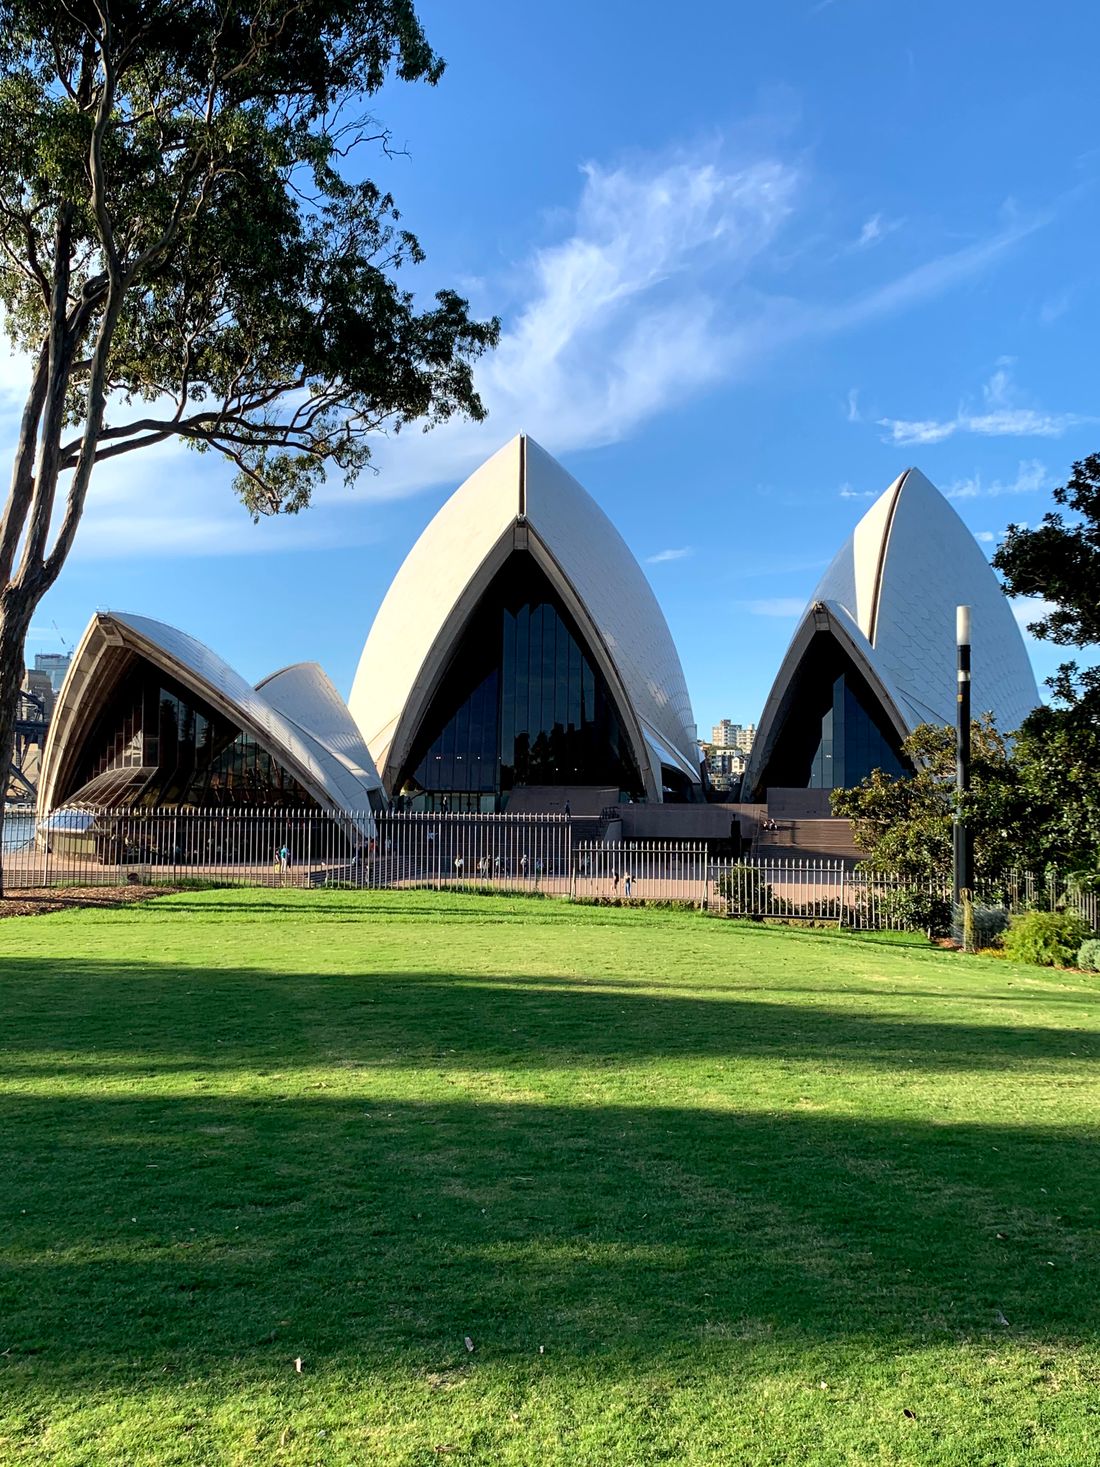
55,665
727,735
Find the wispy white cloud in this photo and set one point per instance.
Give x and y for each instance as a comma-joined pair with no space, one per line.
650,296
662,555
1032,477
847,492
1055,307
649,301
907,430
854,415
930,279
625,317
1029,609
999,416
784,606
875,230
985,537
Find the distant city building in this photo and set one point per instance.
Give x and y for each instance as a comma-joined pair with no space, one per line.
727,735
55,665
725,766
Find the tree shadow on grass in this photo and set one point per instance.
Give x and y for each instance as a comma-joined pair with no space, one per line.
181,1188
159,1020
145,1230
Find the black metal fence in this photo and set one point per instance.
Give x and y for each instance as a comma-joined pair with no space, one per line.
472,852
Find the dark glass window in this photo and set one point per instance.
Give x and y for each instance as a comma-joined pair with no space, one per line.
180,752
833,730
520,702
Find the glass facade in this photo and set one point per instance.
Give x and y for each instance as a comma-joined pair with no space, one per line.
834,731
521,703
157,744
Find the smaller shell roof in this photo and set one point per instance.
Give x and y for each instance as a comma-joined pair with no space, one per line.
890,593
305,695
907,565
324,772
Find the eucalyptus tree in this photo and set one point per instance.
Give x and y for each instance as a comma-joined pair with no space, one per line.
1059,561
188,250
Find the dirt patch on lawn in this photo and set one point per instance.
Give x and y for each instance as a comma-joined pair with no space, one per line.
39,901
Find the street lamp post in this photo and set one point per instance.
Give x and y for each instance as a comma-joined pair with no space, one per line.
962,875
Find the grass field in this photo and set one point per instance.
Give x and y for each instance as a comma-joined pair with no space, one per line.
696,1192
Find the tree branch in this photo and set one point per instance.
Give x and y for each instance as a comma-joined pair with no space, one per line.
22,478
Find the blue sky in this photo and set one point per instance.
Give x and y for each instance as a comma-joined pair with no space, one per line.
749,267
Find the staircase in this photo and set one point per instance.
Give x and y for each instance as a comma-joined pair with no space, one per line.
828,838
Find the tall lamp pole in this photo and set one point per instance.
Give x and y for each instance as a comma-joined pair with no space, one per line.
962,875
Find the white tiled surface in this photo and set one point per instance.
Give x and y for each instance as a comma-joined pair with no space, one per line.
592,556
612,586
306,696
933,564
419,601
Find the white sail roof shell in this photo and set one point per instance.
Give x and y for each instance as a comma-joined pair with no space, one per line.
896,583
306,695
443,575
329,777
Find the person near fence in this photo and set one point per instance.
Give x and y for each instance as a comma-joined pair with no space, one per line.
523,865
459,864
614,880
628,885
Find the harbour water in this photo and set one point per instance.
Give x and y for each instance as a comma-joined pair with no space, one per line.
18,828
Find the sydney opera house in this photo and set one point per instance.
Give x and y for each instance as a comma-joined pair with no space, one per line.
520,659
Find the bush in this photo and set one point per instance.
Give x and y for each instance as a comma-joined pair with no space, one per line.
1088,955
1048,939
916,911
745,894
989,923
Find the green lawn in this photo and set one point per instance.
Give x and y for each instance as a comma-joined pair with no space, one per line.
697,1192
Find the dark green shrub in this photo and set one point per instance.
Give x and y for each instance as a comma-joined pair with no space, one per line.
989,923
1088,955
916,911
1048,939
745,893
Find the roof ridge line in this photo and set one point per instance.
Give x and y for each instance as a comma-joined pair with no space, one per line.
884,545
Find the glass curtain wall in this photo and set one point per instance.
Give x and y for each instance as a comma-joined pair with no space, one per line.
157,744
521,703
834,730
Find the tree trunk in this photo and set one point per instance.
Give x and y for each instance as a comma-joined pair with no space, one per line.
16,608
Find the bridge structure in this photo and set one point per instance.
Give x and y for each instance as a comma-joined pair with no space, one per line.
31,727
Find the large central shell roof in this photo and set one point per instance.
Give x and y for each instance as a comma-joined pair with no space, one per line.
441,579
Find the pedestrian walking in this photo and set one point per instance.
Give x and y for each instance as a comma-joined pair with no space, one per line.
628,885
614,881
459,865
523,864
